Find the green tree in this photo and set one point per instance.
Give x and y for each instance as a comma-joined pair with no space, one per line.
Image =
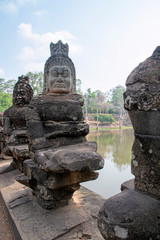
78,86
104,118
100,100
2,82
90,105
7,86
117,97
36,81
117,101
5,101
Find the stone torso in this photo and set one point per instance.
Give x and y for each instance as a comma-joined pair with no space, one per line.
17,117
59,120
61,107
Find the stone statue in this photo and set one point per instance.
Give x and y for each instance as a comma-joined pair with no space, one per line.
57,112
14,122
135,212
61,155
1,135
14,117
59,65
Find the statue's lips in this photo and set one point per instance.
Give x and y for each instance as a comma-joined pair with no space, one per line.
59,85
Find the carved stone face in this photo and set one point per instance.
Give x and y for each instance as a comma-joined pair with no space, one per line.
59,79
21,96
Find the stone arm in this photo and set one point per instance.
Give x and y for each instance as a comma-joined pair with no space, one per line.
35,130
7,127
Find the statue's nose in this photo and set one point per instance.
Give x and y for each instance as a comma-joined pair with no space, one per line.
60,79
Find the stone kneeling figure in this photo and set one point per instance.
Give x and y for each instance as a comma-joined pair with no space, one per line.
14,124
61,155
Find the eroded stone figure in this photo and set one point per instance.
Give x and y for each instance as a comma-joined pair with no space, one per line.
135,212
14,122
1,136
61,155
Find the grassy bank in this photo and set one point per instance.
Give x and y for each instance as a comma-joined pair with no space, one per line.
106,128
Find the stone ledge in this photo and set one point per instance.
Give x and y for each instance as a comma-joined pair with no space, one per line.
129,185
28,220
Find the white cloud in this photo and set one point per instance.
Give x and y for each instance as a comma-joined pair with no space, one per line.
25,30
1,72
34,56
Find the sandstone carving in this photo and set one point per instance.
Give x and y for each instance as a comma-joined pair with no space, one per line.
61,157
14,123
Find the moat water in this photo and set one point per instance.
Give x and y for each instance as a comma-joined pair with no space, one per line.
115,147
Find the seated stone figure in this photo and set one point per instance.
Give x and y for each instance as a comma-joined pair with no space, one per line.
1,135
61,155
14,123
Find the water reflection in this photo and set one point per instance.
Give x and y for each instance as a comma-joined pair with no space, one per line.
115,147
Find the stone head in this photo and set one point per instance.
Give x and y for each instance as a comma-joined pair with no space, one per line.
59,71
22,93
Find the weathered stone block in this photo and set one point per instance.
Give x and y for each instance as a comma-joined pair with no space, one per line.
35,129
78,157
43,143
146,164
17,137
130,215
51,199
55,180
58,107
60,129
145,123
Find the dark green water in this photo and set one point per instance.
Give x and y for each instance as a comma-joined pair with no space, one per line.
115,147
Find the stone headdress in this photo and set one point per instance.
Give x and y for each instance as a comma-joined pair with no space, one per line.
21,84
59,57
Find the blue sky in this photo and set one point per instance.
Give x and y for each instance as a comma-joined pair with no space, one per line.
107,38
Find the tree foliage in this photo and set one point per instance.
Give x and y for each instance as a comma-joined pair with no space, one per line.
109,102
90,104
104,118
101,103
78,86
5,101
7,86
117,98
36,81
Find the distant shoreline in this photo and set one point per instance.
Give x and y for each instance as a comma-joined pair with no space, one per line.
107,128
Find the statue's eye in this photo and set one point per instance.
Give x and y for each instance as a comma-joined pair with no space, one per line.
54,73
65,73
